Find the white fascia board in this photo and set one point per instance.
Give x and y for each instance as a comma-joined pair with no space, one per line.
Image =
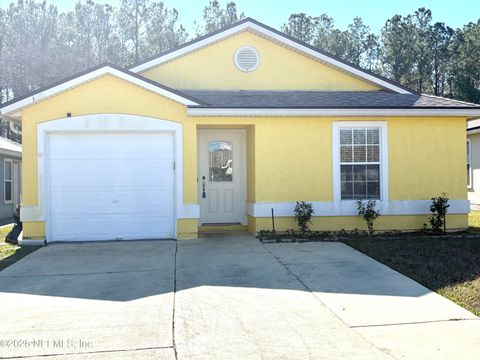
107,70
17,154
472,132
473,123
331,112
276,37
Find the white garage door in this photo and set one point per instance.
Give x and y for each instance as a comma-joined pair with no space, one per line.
110,186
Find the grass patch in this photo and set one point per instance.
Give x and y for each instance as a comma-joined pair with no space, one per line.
10,254
450,266
474,222
4,230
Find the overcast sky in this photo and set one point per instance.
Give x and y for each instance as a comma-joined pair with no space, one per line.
455,13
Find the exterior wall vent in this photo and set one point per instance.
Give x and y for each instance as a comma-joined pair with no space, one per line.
246,58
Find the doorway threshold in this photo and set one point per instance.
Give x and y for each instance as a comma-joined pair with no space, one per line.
220,227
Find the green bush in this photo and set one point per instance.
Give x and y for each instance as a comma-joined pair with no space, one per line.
303,215
368,213
439,208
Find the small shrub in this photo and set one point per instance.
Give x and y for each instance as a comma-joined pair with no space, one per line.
439,208
368,213
290,233
303,215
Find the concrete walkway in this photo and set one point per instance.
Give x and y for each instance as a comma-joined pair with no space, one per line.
223,297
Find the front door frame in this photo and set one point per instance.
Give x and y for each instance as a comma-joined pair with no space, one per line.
243,167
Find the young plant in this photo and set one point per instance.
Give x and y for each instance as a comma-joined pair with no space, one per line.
439,208
368,213
303,215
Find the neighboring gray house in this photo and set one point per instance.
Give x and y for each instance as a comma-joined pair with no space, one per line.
10,177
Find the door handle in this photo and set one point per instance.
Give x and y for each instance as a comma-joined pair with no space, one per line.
204,194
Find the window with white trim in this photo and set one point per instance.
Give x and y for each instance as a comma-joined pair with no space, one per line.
7,181
469,164
360,163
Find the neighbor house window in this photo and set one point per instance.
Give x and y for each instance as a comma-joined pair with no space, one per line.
360,163
7,178
469,162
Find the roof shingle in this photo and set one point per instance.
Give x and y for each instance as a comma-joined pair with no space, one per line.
321,99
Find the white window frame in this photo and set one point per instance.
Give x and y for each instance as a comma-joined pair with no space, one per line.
469,162
5,161
336,176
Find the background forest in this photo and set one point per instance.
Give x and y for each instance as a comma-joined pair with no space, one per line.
40,45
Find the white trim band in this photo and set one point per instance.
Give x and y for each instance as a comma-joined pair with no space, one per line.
331,112
349,208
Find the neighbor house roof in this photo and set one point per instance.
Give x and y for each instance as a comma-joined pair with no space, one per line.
10,147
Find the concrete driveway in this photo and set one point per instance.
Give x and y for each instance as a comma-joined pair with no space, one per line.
223,297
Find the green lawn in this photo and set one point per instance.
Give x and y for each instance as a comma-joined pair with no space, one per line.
449,266
474,221
10,254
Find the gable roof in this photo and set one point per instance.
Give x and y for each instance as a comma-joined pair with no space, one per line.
19,103
249,24
396,100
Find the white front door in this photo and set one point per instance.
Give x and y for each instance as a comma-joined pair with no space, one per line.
222,176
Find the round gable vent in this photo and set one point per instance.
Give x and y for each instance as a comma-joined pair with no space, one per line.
246,58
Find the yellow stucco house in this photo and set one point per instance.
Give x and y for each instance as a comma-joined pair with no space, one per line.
225,128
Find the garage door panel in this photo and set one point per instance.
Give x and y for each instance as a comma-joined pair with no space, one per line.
115,228
123,146
67,200
97,172
108,186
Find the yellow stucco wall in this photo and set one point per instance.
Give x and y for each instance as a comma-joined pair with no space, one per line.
427,157
288,158
279,68
293,157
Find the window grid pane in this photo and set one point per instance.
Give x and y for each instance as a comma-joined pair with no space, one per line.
8,170
8,191
360,163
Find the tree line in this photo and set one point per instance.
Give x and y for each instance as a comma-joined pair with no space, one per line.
40,45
